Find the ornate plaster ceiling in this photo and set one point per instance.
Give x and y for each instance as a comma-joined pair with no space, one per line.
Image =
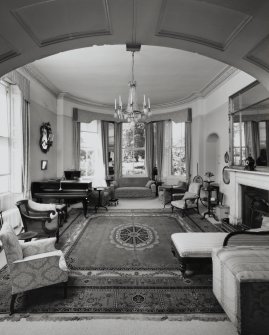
234,32
100,74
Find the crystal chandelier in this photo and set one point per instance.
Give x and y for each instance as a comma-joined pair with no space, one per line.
132,113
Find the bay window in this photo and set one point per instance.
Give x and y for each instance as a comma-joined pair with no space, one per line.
133,149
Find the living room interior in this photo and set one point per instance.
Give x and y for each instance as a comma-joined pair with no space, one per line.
136,127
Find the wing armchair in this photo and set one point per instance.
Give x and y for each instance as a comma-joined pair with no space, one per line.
32,264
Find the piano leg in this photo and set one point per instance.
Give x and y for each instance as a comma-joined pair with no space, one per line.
84,203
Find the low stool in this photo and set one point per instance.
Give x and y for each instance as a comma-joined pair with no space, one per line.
113,202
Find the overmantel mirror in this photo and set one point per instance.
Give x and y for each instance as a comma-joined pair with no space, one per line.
249,127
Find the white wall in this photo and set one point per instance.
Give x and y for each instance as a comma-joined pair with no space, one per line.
43,108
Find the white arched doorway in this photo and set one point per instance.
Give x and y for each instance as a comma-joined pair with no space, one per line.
212,155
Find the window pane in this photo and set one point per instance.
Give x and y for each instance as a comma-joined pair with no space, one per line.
4,154
133,153
91,127
111,134
133,162
127,136
87,140
139,135
4,124
178,149
4,183
178,161
178,138
262,132
87,158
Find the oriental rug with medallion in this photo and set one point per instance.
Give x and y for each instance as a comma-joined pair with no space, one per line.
121,262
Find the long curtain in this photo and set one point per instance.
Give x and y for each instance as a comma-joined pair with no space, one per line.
188,150
267,141
149,148
252,139
76,144
104,133
159,144
26,149
118,153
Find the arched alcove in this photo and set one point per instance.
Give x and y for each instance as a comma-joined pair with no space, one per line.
212,153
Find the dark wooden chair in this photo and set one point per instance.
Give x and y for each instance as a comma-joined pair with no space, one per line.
40,218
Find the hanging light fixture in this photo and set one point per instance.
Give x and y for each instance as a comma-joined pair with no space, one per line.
132,113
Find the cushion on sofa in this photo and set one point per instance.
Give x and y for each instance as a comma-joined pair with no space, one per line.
149,183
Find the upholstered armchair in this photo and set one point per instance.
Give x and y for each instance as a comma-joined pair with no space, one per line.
32,264
165,192
40,218
189,200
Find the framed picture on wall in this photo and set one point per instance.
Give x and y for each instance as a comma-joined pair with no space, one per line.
44,165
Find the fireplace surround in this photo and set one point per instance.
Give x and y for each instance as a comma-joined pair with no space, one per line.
240,181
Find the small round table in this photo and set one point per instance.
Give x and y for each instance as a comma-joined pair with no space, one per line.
27,236
99,189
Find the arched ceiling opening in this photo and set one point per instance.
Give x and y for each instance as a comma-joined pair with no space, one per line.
233,32
100,74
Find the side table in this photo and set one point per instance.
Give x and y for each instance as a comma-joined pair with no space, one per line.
210,204
158,183
99,204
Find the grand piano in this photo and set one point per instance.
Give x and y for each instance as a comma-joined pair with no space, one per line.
70,191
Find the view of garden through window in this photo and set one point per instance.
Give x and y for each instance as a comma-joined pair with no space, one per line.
88,139
236,144
178,149
133,149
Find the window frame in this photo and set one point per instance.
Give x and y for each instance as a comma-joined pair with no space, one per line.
133,149
86,148
8,137
184,175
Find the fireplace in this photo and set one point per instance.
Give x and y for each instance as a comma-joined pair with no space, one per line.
254,205
247,189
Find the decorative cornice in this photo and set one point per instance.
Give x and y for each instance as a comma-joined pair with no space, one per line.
32,71
227,72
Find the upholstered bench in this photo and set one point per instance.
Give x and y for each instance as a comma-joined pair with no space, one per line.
241,285
192,247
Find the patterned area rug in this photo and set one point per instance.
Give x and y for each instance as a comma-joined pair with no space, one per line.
135,273
125,242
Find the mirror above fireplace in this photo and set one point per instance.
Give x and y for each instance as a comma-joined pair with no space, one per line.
249,126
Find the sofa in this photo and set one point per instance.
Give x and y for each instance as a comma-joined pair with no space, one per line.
134,187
